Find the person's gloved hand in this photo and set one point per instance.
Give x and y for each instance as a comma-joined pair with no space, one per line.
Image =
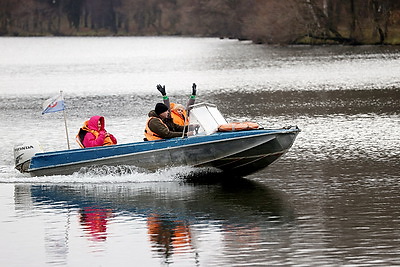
194,127
161,89
194,89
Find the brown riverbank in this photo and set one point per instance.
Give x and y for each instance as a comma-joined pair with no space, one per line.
266,22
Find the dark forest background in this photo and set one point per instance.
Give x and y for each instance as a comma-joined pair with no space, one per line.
262,21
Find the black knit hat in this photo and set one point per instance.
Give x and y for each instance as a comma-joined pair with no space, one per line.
160,108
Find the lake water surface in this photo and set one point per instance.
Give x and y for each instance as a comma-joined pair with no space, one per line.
333,199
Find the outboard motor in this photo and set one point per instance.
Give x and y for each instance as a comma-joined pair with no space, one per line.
23,154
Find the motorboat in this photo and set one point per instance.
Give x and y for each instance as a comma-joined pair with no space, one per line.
240,151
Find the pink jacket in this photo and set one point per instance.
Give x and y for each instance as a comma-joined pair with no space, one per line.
94,137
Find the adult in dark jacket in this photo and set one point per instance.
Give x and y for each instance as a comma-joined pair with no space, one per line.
160,125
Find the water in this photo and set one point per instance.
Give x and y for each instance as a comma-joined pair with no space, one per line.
331,200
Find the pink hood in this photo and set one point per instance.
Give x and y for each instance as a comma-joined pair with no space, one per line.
93,122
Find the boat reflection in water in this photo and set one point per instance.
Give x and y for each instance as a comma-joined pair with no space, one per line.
169,235
179,215
94,222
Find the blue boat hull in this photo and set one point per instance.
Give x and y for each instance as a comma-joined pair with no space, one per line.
241,152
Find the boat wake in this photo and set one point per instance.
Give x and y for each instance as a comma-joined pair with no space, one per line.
112,174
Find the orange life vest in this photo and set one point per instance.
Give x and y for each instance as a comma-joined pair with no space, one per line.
79,137
149,134
177,118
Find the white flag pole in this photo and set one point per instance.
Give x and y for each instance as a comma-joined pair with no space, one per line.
65,122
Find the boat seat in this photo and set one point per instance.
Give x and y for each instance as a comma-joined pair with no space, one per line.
80,136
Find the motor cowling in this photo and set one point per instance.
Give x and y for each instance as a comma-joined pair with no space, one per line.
23,153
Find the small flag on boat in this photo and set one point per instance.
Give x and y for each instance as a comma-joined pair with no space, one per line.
53,104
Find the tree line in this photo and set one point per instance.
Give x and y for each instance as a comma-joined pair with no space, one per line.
262,21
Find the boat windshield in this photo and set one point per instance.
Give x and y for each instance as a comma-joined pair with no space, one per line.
207,116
